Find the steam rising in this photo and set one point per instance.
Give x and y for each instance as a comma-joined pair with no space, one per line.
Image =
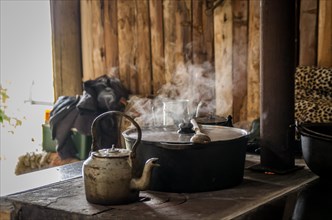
191,82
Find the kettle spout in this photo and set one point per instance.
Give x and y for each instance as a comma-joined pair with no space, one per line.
143,182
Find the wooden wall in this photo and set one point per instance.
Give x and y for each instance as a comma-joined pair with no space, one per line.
315,33
143,41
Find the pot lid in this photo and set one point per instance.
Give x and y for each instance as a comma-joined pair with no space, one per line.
112,153
170,134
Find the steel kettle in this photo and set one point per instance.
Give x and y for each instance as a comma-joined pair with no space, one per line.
108,173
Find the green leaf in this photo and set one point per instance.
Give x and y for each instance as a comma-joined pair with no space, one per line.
13,121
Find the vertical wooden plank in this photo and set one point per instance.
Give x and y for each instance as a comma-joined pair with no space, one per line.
127,44
66,42
223,58
308,32
240,53
203,57
98,40
134,46
183,22
157,44
202,23
208,34
111,37
253,91
325,34
177,29
143,56
169,38
88,72
93,42
98,51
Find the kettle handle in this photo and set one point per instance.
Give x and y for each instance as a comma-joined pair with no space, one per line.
94,132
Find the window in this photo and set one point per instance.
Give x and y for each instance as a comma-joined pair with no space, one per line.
26,73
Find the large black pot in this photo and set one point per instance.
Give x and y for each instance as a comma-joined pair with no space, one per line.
316,144
189,167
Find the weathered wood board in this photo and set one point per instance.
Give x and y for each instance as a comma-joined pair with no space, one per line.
324,53
253,68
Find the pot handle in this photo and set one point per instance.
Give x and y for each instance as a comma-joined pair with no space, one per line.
96,121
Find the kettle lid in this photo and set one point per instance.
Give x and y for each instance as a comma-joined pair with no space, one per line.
111,153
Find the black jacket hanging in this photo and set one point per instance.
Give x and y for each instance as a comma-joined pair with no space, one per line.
100,95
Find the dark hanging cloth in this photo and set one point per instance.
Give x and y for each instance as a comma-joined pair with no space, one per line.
99,95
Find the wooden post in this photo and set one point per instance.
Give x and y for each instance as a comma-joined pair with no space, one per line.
66,42
277,83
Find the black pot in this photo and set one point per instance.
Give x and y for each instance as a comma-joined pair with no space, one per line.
215,120
316,144
189,167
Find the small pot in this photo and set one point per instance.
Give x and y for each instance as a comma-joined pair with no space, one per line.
316,144
192,167
215,120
